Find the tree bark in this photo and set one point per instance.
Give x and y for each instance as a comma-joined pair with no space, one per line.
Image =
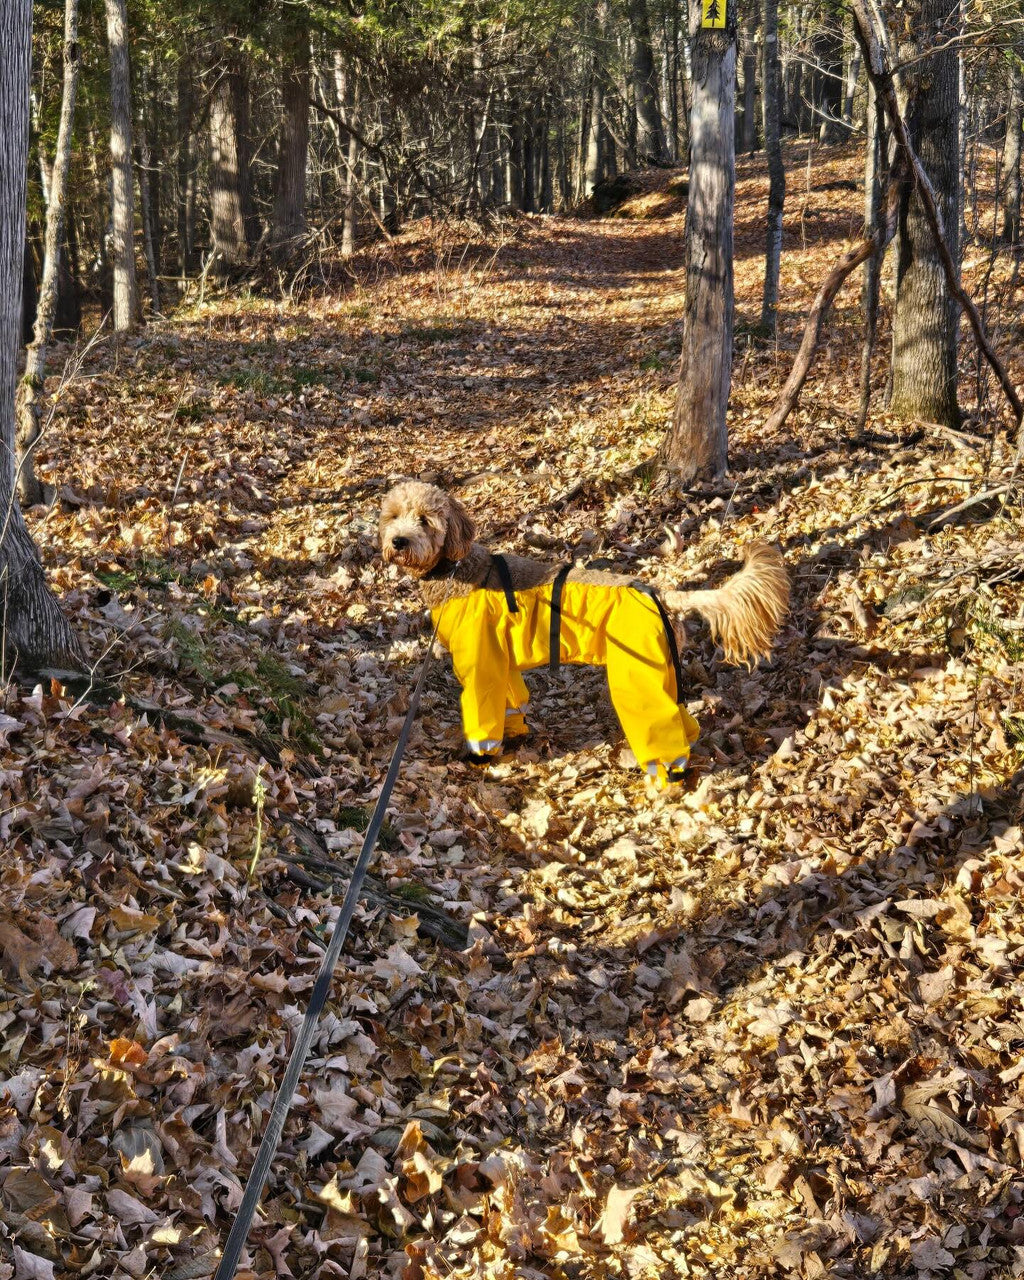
127,308
594,164
771,101
827,81
33,631
650,143
31,391
697,441
873,163
1011,153
183,165
229,165
293,143
750,81
924,383
874,46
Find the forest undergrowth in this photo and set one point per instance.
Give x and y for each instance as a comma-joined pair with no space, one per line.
772,1027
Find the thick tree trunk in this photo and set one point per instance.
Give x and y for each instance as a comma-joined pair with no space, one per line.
33,631
1011,153
697,442
127,308
874,45
293,144
30,397
772,111
750,82
229,166
925,325
650,142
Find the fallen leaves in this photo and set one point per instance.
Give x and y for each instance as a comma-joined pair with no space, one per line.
770,1029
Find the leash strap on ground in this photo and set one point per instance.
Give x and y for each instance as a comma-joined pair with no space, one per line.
321,989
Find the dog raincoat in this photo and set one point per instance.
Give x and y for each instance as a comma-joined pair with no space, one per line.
620,628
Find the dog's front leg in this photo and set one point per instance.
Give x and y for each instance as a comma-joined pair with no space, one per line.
482,667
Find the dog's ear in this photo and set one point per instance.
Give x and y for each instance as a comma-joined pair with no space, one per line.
459,531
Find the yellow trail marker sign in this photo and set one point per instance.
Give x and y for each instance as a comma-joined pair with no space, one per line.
713,14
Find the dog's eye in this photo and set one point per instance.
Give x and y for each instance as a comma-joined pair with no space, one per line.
424,522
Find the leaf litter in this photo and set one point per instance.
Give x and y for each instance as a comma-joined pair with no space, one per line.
771,1028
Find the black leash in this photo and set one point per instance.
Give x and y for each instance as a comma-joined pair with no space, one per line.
321,989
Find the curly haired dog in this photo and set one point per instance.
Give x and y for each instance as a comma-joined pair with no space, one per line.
499,616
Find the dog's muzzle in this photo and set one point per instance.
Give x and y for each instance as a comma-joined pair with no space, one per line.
399,544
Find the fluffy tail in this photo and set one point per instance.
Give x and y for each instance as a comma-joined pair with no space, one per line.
744,614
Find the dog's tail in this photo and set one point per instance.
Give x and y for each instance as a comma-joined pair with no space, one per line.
744,613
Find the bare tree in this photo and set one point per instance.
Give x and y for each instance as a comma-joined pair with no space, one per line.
1011,152
925,325
293,142
34,632
127,309
697,441
650,130
31,390
771,97
229,163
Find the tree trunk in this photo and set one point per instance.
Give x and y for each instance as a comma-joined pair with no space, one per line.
184,165
1011,153
650,142
229,166
852,76
293,144
750,82
772,111
873,266
31,391
147,200
127,308
347,91
594,165
925,325
33,631
828,81
697,442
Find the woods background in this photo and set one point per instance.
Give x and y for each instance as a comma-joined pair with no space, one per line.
640,291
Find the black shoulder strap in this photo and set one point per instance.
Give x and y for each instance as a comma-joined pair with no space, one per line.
554,653
501,564
670,634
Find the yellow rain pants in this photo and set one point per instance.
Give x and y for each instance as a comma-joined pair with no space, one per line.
619,628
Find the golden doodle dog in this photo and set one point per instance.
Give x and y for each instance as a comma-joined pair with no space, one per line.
499,616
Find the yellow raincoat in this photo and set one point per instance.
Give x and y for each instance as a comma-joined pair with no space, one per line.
617,627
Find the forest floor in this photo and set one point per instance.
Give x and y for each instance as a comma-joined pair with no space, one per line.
772,1027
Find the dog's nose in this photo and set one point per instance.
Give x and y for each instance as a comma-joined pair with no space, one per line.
399,543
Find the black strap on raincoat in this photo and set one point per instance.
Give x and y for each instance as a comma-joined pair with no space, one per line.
501,564
555,634
670,634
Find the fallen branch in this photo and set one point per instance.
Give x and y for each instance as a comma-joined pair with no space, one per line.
864,249
316,857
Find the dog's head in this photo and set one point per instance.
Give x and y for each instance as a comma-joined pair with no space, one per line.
420,525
